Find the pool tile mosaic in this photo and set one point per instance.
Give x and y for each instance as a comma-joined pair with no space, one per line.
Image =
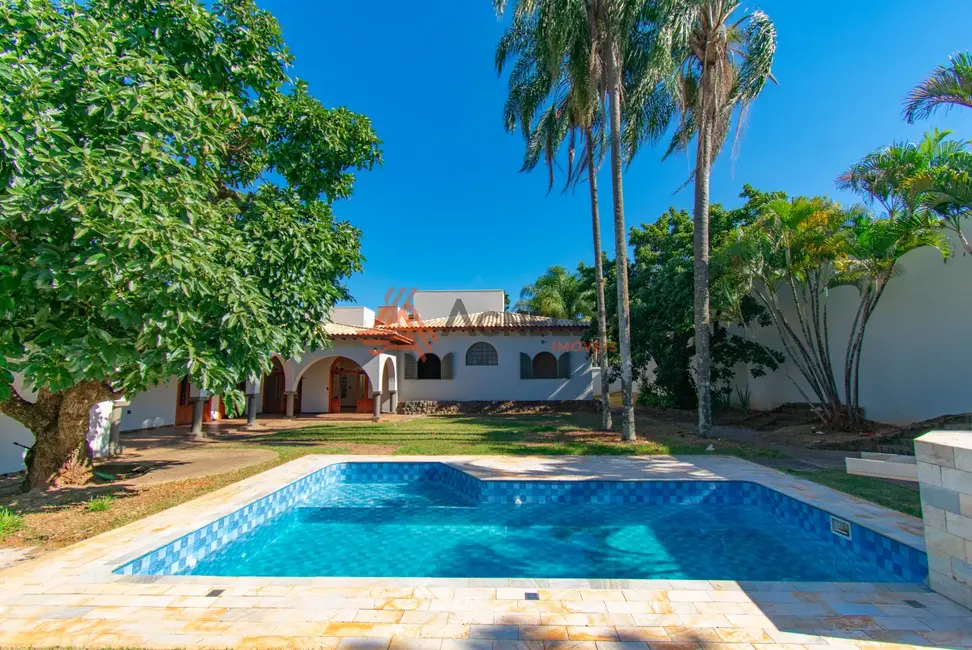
184,553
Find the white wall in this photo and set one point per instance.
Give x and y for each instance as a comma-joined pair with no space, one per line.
316,389
917,359
12,456
360,316
439,304
500,382
154,408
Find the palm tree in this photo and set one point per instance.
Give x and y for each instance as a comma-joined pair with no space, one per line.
873,248
790,259
581,45
558,293
929,181
717,66
947,86
551,106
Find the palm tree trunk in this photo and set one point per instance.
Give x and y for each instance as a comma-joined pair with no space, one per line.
621,248
703,380
602,351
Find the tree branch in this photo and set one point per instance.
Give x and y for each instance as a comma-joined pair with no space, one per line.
20,409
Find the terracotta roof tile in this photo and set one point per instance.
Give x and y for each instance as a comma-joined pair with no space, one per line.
341,330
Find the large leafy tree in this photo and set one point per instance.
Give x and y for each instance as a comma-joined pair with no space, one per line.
720,64
661,304
947,87
165,206
554,99
558,293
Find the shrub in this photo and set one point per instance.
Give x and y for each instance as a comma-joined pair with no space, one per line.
99,504
10,522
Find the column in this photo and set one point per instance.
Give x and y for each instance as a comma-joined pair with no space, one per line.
290,394
114,438
197,415
376,405
945,476
251,409
394,400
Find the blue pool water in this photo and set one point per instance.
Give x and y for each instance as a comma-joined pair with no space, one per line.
438,522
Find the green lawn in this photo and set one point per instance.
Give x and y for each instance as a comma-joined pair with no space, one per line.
884,493
547,434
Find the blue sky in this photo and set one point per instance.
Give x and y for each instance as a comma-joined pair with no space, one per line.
449,207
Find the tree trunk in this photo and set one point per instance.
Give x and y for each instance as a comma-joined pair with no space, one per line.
602,350
621,248
703,361
59,422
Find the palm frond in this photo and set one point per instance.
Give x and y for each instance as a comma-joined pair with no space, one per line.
948,86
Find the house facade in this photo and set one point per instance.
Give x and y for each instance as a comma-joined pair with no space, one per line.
444,346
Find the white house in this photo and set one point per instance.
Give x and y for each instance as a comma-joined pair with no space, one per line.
444,346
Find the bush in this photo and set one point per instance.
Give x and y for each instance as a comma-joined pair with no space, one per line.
99,504
10,522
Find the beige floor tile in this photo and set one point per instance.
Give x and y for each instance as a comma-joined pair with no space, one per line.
642,634
425,618
444,632
543,632
743,635
518,618
472,618
592,633
377,616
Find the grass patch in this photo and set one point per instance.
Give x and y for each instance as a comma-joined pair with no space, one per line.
884,493
574,434
99,504
10,522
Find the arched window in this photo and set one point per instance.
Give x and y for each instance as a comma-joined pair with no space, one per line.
544,366
430,367
481,354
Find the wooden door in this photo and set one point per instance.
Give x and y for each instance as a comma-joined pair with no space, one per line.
366,402
184,405
334,405
273,390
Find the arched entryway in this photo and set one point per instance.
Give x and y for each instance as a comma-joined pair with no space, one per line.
274,387
350,388
389,387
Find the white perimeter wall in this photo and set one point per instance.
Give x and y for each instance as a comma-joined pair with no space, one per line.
917,358
500,382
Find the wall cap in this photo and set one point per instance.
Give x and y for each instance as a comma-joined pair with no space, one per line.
958,439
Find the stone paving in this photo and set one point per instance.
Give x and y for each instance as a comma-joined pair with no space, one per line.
71,598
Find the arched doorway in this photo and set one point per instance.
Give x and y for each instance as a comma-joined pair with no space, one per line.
350,388
389,385
274,384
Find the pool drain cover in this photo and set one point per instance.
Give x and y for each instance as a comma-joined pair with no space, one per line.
915,604
531,595
214,592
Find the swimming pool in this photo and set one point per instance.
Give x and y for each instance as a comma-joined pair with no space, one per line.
432,520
